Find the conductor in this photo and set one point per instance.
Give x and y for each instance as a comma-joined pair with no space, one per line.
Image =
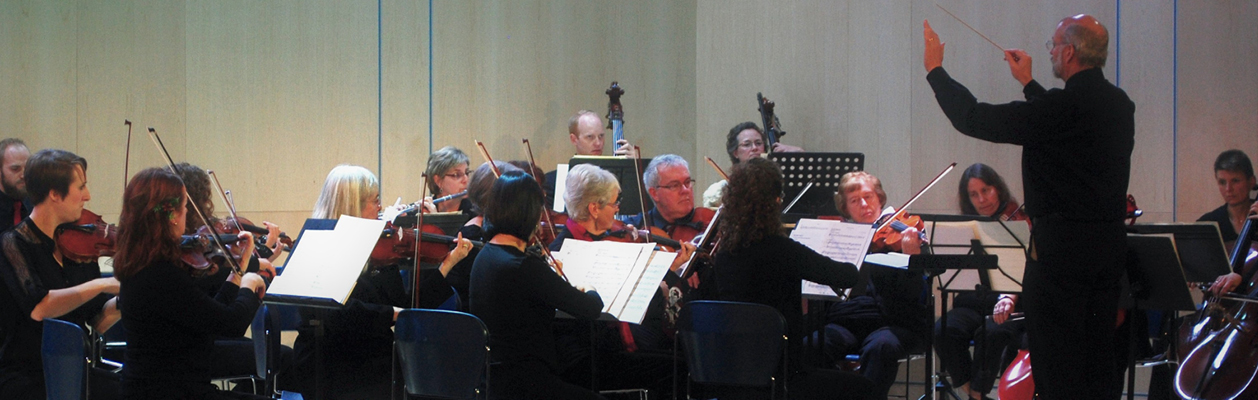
1076,161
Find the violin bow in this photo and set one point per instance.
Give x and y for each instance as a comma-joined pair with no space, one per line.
637,169
170,163
231,208
916,196
717,168
545,252
528,148
798,196
419,224
126,163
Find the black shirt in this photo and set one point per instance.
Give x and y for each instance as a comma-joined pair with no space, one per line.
769,272
29,270
1219,216
171,324
516,295
1076,141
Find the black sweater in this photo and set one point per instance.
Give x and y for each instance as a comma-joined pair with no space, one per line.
171,325
516,296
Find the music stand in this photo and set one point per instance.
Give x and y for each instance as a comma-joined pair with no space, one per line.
625,172
1155,281
1200,248
449,222
825,169
936,265
953,234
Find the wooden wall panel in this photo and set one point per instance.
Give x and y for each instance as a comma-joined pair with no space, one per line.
278,94
405,98
1147,73
37,60
1217,93
510,70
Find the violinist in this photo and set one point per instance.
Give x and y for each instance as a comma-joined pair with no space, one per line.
478,191
515,292
744,142
757,263
358,342
448,176
13,202
232,355
39,283
890,321
1235,176
981,192
170,322
585,132
592,198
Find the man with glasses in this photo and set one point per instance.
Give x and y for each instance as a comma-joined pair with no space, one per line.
744,141
1076,163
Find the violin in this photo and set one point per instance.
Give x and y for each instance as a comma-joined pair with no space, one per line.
234,225
87,239
889,237
203,255
396,245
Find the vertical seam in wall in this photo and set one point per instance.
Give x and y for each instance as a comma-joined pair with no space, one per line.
380,92
1175,113
430,121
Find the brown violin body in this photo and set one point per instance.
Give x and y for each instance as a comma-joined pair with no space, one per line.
87,239
396,245
890,236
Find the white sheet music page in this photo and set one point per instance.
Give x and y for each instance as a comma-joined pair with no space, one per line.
604,266
841,241
326,263
645,286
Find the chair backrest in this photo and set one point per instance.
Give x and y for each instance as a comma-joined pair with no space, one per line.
65,354
265,330
731,343
442,353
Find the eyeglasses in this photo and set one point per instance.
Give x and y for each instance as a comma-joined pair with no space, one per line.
616,203
457,175
1050,45
751,144
688,183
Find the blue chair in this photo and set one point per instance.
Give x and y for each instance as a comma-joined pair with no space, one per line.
65,351
266,328
733,344
441,354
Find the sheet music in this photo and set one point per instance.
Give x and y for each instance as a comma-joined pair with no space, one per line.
326,263
841,241
561,186
955,237
625,275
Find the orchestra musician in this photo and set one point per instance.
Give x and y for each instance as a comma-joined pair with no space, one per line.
170,322
981,192
515,292
1235,176
1076,163
447,175
585,131
891,319
478,190
668,182
13,201
232,356
358,339
756,263
39,283
743,142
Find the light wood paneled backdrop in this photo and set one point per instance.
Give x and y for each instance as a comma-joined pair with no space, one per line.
272,94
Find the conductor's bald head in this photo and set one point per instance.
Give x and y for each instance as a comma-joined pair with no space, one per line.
1079,43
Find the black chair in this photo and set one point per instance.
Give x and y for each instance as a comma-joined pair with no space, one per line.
733,344
441,354
65,350
266,327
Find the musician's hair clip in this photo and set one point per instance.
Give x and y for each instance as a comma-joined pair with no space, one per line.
167,207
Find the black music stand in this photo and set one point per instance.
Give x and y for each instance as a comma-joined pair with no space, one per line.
449,222
625,172
1155,281
1200,248
319,306
825,169
935,266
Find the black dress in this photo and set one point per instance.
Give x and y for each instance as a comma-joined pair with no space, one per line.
516,295
171,325
1219,216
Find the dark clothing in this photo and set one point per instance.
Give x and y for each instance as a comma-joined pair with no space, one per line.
883,326
11,209
994,346
460,276
1219,216
516,295
171,325
358,341
549,188
29,270
770,272
1076,163
658,221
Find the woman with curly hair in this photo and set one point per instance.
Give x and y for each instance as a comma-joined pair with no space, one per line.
758,264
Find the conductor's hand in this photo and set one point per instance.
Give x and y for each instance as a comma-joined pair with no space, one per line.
1019,65
933,55
1003,308
1225,284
